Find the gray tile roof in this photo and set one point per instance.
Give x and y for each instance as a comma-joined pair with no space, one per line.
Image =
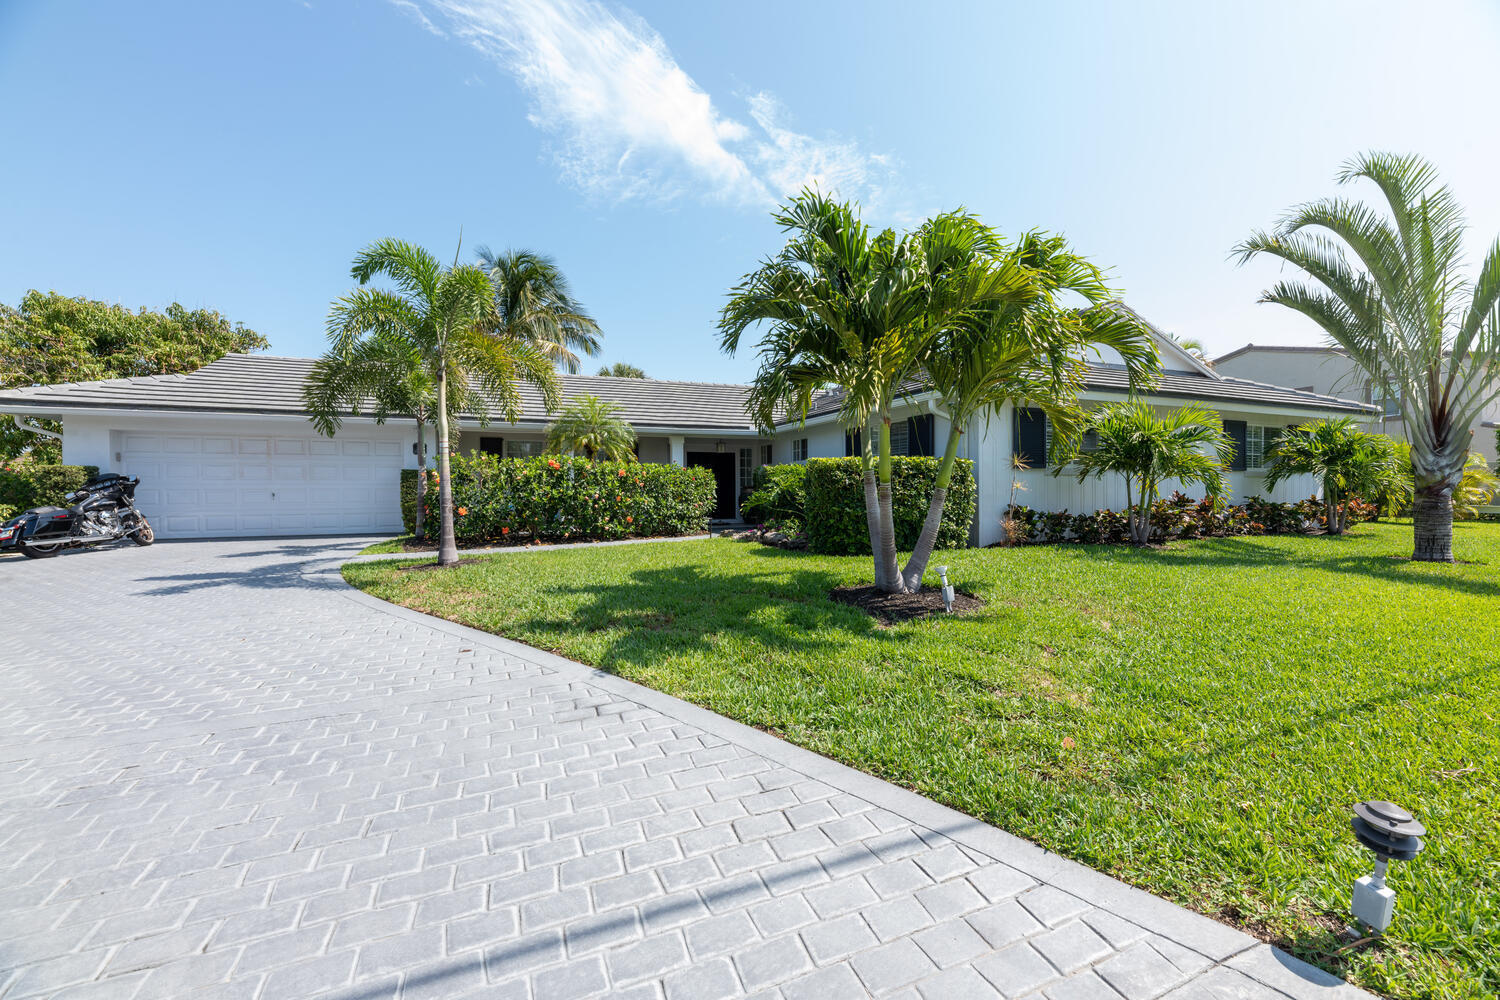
252,383
1107,378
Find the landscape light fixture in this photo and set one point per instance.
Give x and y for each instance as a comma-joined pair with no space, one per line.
942,572
1392,834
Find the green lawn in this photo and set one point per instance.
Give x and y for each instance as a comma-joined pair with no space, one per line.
1195,720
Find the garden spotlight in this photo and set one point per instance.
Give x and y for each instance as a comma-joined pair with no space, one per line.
942,572
1392,834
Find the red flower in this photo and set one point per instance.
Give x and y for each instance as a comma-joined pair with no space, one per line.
622,473
462,511
629,520
504,531
617,498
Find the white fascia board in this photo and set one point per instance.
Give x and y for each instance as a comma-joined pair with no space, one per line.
137,412
1239,406
917,401
663,430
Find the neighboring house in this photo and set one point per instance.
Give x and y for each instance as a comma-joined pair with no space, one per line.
1329,370
227,450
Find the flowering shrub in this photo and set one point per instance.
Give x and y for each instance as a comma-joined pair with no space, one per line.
555,498
1180,516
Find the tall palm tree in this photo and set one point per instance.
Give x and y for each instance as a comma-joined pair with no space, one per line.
1032,348
1346,461
858,310
444,315
1390,290
534,304
382,373
593,428
1187,444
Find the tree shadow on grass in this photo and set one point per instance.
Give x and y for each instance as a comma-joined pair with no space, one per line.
1240,553
685,611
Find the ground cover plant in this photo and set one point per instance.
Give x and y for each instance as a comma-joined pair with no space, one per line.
1195,719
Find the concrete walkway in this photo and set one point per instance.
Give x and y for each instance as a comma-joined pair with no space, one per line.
224,773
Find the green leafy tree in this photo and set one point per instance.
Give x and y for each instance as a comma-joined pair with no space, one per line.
1346,461
1129,439
445,317
593,428
621,369
56,338
1389,288
535,305
873,313
386,375
1477,488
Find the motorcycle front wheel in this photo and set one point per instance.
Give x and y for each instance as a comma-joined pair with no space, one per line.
42,550
143,535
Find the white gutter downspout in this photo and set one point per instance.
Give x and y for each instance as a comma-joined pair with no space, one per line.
26,424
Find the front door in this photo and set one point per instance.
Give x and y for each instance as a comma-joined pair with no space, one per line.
722,465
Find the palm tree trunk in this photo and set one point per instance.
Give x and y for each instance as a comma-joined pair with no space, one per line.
887,552
872,521
1331,506
447,544
1432,524
417,528
911,576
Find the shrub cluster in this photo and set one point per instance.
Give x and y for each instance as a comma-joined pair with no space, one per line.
835,505
778,495
560,498
26,486
1180,516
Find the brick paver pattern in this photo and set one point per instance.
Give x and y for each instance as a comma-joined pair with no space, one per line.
224,778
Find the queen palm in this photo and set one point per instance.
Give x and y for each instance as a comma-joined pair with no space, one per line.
855,309
386,375
1028,348
593,428
534,304
1390,290
444,316
1187,444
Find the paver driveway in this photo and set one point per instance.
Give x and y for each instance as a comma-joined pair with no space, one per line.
226,774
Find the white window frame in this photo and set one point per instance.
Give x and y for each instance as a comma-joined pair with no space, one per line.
523,448
900,438
1258,440
799,449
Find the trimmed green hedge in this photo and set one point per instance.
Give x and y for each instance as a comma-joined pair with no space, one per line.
779,495
836,504
26,486
558,498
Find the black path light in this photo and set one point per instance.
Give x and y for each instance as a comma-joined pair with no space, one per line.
1392,834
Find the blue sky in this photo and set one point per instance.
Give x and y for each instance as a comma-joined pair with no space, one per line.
236,156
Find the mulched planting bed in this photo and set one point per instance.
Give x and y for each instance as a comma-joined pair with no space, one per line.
892,609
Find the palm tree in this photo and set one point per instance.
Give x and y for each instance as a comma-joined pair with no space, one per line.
621,369
1477,488
1346,461
1033,349
1187,444
1404,312
593,428
444,316
858,310
533,304
386,374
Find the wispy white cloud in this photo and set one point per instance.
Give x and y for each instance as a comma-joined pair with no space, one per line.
625,121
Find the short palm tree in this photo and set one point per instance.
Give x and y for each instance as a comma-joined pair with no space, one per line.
1346,461
533,304
593,428
1390,290
445,317
1187,444
1477,488
386,375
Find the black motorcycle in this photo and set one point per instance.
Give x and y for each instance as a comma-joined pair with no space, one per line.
103,511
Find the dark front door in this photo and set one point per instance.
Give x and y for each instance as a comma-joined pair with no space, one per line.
721,464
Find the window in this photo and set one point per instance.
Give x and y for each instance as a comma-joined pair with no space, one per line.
747,467
492,445
899,438
522,449
1258,442
765,454
1388,401
799,449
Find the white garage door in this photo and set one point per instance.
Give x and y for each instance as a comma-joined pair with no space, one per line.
201,486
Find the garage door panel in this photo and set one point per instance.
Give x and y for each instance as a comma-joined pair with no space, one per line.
221,485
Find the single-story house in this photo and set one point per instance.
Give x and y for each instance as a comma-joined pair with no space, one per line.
228,451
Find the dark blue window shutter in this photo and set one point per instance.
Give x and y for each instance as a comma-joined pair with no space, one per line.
919,435
1236,431
492,446
854,444
1029,439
